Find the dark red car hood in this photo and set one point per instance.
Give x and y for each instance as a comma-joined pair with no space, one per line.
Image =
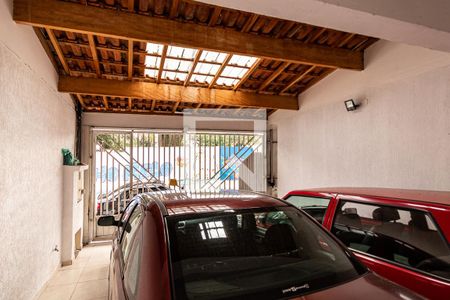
367,287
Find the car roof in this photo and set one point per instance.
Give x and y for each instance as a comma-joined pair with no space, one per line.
179,202
438,197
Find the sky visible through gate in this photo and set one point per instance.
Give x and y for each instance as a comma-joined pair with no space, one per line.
197,159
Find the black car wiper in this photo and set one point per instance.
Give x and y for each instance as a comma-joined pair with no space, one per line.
313,206
286,254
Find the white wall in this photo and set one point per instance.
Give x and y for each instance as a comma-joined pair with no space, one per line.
399,137
35,123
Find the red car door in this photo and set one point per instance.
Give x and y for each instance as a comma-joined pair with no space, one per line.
388,239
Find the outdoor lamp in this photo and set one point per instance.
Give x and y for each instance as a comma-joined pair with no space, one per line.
350,105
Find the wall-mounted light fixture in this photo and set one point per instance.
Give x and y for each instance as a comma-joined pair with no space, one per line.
350,105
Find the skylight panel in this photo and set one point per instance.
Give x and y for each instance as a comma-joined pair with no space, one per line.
171,64
235,72
181,52
152,61
154,49
201,78
205,68
242,61
151,73
173,75
227,81
212,56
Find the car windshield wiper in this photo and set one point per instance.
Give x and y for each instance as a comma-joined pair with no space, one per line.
313,206
286,254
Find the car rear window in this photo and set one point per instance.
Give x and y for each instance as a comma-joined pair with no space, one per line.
316,207
253,254
404,236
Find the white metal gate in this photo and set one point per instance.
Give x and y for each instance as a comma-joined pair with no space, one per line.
129,162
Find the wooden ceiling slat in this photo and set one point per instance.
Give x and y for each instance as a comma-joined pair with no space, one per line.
122,25
58,50
274,75
172,93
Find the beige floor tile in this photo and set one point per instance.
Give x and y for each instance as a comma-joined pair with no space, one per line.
65,277
91,290
78,263
94,273
60,292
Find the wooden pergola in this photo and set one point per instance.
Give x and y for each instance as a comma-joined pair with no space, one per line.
165,56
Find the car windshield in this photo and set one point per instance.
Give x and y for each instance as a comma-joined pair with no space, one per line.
258,253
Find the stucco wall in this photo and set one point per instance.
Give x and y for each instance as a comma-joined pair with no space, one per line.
35,123
399,137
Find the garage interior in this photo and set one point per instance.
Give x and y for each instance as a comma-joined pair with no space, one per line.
257,86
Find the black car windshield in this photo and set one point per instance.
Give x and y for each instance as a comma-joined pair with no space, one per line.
253,254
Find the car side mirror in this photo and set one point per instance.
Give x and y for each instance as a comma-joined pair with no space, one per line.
107,221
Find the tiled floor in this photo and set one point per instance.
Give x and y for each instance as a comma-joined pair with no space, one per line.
85,279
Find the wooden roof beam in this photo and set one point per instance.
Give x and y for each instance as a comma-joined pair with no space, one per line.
274,75
130,59
248,74
161,65
173,93
94,54
84,19
297,79
58,50
81,100
194,64
219,72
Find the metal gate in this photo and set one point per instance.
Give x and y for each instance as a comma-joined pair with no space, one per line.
135,161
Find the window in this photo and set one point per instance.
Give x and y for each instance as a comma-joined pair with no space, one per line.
132,268
130,230
267,253
407,237
125,215
314,206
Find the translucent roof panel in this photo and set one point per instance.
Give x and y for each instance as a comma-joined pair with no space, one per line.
154,49
174,51
205,68
227,81
177,65
235,72
242,61
152,61
202,78
212,56
174,75
151,73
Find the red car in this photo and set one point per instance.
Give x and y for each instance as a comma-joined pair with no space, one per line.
402,235
175,245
